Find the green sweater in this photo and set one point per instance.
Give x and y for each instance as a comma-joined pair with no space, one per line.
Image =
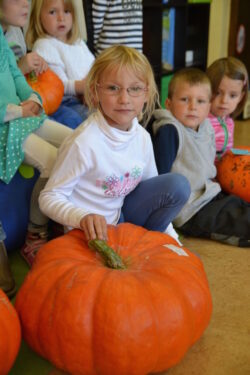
13,90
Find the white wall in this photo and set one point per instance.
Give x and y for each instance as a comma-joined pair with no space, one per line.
218,30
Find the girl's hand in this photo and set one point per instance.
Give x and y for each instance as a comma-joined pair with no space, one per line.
32,61
30,108
94,227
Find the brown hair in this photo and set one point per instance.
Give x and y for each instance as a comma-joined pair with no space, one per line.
35,29
232,68
117,57
192,76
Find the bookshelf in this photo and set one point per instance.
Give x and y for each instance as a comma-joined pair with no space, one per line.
175,35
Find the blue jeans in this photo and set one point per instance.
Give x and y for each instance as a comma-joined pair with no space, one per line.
67,116
76,104
155,202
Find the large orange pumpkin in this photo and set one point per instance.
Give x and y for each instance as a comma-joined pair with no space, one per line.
90,319
50,88
10,334
233,173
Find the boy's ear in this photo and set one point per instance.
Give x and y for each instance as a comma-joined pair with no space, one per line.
167,103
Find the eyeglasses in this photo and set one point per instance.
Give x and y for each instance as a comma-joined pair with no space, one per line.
114,90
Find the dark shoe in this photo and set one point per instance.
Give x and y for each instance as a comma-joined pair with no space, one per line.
7,282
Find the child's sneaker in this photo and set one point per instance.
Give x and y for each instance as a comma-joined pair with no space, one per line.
172,232
33,242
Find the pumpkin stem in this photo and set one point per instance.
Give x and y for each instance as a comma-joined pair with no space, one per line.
110,257
32,76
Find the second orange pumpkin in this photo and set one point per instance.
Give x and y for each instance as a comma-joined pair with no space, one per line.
50,88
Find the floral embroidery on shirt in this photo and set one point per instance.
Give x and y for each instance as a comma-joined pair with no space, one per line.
115,186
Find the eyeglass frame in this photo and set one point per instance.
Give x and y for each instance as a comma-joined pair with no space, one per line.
120,88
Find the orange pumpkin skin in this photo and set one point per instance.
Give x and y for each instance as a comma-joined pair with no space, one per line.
88,319
50,88
233,174
10,334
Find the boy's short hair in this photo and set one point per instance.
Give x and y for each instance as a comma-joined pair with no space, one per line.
192,76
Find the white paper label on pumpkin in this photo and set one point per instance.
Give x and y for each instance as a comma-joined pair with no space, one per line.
176,249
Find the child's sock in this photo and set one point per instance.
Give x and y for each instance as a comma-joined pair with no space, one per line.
171,232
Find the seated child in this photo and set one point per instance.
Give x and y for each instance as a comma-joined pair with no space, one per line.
54,33
26,134
184,143
229,79
106,173
14,15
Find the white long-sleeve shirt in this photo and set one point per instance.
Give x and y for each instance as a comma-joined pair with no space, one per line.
95,169
71,62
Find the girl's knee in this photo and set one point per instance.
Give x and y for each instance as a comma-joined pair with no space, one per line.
179,185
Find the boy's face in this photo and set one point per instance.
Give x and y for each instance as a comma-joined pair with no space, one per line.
190,104
14,13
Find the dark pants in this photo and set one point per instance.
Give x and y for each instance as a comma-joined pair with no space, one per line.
155,202
226,218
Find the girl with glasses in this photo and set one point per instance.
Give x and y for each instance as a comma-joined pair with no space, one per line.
105,172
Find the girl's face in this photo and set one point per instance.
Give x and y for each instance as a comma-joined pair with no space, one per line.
121,95
190,104
227,98
56,19
14,13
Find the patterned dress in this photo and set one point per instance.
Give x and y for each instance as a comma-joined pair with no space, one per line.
13,90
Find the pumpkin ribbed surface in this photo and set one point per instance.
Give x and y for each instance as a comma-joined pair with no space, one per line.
10,334
233,174
88,319
50,88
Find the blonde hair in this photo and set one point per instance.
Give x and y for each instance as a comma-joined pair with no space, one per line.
192,76
35,29
232,68
118,57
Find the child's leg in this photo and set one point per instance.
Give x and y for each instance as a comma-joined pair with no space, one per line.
156,202
226,218
67,116
53,132
42,155
77,105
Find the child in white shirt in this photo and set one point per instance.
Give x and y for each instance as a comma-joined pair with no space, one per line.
105,172
54,33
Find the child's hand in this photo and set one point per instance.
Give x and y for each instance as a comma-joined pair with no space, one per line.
32,61
94,227
30,108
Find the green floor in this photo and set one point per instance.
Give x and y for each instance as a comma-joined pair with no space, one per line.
27,362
